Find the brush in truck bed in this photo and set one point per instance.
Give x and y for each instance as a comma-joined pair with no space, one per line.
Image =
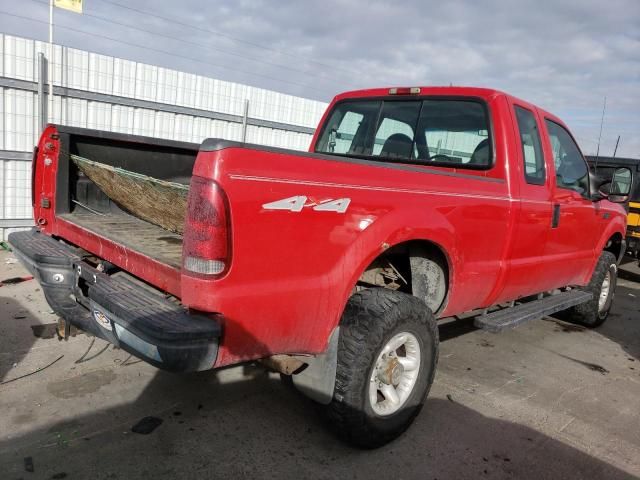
160,202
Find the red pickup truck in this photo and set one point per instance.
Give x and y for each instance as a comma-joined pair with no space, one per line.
412,204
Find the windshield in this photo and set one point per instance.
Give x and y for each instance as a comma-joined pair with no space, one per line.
433,131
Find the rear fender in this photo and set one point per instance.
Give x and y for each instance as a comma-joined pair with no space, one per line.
384,234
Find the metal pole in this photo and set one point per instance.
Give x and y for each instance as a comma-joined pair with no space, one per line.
245,117
50,63
604,106
42,100
616,149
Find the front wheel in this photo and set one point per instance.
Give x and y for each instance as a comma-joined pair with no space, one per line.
387,356
602,285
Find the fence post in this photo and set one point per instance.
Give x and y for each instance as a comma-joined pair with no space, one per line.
42,100
245,117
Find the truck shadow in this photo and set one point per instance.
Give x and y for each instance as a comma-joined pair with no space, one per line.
259,428
623,324
629,269
631,276
453,328
16,336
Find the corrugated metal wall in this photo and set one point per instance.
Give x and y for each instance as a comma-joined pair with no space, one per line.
108,93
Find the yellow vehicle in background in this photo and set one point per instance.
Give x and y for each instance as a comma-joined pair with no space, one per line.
604,167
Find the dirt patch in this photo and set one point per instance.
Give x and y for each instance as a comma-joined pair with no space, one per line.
81,385
591,366
568,328
564,326
23,419
46,331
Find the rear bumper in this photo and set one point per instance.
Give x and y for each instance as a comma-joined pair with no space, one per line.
137,319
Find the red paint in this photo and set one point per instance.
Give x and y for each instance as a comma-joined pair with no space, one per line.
291,273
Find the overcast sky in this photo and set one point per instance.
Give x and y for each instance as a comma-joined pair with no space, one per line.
563,55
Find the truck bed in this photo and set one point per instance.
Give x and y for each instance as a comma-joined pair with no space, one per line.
134,233
78,200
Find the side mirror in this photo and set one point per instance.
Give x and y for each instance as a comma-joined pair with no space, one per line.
618,188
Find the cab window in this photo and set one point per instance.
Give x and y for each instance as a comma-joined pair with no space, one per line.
345,130
534,169
398,130
571,169
456,133
431,131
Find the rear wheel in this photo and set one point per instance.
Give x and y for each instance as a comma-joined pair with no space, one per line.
602,285
387,356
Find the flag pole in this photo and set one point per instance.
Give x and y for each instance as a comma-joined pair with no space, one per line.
50,63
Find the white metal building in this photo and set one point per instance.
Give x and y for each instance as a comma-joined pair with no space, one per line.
108,93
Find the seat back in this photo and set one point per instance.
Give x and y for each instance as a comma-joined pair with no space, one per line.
397,145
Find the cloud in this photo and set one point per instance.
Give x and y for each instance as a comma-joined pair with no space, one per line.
563,55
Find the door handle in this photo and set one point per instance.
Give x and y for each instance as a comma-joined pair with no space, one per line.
555,219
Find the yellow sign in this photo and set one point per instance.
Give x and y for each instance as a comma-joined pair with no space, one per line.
73,5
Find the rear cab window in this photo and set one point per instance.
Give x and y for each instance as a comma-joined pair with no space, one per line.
453,132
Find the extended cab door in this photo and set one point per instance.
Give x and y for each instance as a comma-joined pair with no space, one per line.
527,273
575,228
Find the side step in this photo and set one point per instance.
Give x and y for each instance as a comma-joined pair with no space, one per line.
512,317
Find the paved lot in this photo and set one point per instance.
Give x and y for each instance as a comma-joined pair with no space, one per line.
547,400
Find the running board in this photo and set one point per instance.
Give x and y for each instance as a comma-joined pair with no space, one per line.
512,317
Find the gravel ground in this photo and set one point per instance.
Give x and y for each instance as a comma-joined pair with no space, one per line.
546,400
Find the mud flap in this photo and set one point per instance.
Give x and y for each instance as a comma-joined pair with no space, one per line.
317,381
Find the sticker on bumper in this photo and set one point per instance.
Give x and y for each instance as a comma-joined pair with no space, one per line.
102,320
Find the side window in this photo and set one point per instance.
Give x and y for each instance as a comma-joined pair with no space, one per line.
534,170
571,168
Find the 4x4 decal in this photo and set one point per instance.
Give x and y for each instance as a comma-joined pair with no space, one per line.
298,202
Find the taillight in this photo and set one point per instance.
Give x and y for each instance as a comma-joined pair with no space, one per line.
34,160
206,246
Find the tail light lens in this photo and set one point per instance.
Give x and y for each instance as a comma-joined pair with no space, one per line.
34,160
206,246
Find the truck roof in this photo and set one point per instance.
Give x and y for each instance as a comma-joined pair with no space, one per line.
454,91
